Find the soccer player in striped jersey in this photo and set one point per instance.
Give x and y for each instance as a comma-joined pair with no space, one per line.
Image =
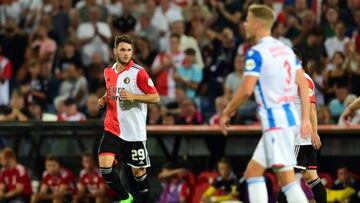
128,90
273,71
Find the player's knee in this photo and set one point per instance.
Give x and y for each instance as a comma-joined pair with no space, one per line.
138,172
310,175
106,161
253,170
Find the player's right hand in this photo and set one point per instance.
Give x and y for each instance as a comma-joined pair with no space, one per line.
346,116
305,129
102,102
224,123
315,140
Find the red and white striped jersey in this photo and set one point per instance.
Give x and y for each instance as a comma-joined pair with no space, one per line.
299,140
127,119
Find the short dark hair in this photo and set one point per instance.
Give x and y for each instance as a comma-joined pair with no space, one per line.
175,35
123,38
69,101
190,51
226,161
52,157
87,154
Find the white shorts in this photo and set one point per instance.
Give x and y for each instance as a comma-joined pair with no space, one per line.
276,148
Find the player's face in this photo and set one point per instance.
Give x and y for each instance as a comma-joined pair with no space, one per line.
123,52
87,163
249,26
52,167
224,170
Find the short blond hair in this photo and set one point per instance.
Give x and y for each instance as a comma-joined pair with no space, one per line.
264,13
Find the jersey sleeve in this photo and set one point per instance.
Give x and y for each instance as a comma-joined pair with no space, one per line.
311,91
253,62
145,83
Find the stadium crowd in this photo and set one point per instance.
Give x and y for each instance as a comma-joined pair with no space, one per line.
53,54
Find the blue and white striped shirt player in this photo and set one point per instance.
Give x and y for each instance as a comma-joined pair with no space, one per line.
275,65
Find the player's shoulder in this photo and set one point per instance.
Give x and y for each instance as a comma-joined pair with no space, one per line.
109,68
20,169
82,173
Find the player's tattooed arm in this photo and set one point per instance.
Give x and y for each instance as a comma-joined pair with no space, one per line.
153,98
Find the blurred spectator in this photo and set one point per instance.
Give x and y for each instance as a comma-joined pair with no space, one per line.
356,117
154,115
279,31
5,76
146,30
16,110
175,188
15,182
57,183
95,74
313,48
345,188
94,36
13,43
60,21
36,110
318,78
115,8
145,53
92,109
10,10
352,64
91,185
189,75
337,105
308,24
324,116
71,112
35,87
164,15
74,85
47,48
336,75
85,7
336,43
189,114
220,104
234,79
168,119
164,66
186,41
125,24
228,13
332,18
180,98
69,54
226,183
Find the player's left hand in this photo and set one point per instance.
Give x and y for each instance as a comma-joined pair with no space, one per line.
315,140
224,123
126,96
305,129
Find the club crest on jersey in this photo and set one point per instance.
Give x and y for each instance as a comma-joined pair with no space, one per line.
250,64
150,83
127,80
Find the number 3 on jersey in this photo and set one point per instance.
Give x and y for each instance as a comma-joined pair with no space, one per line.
288,70
138,155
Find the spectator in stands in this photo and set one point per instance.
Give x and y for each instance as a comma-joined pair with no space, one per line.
71,112
180,97
35,86
175,188
95,74
164,66
115,8
332,18
145,54
17,110
70,54
15,182
336,75
92,109
85,6
336,43
47,48
94,36
337,105
234,79
345,188
308,23
36,110
154,115
226,183
228,14
145,29
5,76
168,119
91,185
188,76
279,31
324,116
74,85
189,114
57,183
125,24
164,15
187,42
60,22
220,104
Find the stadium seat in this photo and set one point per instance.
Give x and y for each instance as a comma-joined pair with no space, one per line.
326,179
